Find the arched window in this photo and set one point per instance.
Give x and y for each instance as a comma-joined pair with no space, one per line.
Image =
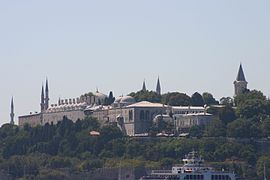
130,115
142,115
147,115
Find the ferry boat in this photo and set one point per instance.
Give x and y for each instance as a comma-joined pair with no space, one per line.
193,169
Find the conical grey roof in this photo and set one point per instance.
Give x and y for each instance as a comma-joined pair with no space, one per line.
144,86
158,88
12,112
240,75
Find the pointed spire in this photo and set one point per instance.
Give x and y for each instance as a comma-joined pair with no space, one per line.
47,95
144,86
47,86
158,89
42,100
42,93
12,104
240,85
12,112
240,75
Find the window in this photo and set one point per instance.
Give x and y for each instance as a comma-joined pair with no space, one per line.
220,177
130,115
142,115
194,177
147,115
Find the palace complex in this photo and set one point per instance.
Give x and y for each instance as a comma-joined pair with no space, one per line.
132,117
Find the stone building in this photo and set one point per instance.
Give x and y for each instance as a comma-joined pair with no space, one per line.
184,122
240,84
184,117
131,117
138,117
73,109
33,119
187,109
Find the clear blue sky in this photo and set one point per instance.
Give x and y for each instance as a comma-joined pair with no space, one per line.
192,45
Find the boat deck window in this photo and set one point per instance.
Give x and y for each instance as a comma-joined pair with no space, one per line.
220,177
194,177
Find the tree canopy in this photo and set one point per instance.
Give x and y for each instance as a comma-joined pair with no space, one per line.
197,99
150,96
176,99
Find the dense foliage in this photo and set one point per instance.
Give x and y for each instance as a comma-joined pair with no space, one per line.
42,151
175,98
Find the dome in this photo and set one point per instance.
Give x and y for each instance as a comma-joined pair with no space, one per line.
118,100
127,100
100,95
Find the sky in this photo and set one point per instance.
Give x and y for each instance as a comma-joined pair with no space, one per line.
192,45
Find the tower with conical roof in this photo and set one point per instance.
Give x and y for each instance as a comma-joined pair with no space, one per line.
12,112
42,100
144,86
46,95
158,88
240,84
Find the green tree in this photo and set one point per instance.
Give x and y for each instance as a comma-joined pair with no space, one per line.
197,99
110,132
243,128
263,163
196,131
57,162
19,166
46,174
209,99
8,130
150,96
227,114
253,107
92,164
89,94
134,149
228,101
176,99
266,127
160,125
254,94
215,129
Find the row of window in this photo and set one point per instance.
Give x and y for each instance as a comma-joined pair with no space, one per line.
188,112
144,115
213,177
220,177
197,177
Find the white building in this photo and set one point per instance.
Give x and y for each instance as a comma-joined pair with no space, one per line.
186,121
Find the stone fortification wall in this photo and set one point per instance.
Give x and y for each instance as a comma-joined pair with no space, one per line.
33,120
54,117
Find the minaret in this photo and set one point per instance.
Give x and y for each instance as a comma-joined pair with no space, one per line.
158,89
144,86
42,101
240,84
12,112
46,95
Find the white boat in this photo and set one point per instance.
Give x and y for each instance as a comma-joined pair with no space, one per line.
192,169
